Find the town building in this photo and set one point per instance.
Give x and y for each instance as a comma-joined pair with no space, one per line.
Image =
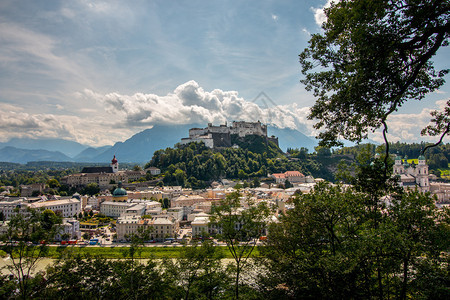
105,177
291,176
411,175
153,171
67,207
30,189
71,227
186,200
10,207
115,209
176,212
160,227
441,190
120,194
200,226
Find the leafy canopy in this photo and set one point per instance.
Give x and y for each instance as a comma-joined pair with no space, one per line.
373,56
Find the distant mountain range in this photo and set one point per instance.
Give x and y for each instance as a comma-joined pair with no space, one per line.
291,138
137,149
22,156
69,148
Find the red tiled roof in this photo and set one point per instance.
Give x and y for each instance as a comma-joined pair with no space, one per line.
279,175
293,174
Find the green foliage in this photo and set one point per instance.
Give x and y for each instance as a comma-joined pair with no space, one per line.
96,278
256,144
91,189
25,242
202,165
301,153
322,151
239,228
53,183
137,168
337,243
372,57
198,272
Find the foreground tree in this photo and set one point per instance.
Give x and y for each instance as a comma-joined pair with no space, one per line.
197,273
25,241
440,125
240,222
331,246
78,277
372,57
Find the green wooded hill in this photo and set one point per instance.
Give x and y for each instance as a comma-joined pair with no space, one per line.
196,165
437,157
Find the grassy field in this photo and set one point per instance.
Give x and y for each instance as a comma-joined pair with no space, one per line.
414,160
121,251
445,173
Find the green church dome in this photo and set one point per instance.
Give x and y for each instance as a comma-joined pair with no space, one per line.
119,192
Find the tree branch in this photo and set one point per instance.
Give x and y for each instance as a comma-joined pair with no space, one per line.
447,130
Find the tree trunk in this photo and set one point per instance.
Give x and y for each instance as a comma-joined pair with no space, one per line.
405,278
236,291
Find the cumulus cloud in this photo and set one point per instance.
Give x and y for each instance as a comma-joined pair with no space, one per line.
189,104
14,122
406,127
319,14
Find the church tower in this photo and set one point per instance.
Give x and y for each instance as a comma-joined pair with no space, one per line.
114,165
422,174
398,166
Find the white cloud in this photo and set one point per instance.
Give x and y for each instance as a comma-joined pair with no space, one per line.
187,104
97,132
190,103
319,14
406,127
274,17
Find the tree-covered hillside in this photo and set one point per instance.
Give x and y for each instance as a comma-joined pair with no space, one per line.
437,157
196,165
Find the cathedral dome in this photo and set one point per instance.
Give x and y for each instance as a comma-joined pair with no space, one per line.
119,192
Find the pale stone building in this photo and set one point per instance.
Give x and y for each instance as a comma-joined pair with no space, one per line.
411,175
67,207
291,176
105,177
160,227
115,209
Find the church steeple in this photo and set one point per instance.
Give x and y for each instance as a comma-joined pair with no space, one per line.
115,164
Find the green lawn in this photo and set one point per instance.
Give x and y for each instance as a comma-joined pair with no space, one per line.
120,251
413,160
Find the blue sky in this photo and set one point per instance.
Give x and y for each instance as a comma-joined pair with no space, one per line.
99,71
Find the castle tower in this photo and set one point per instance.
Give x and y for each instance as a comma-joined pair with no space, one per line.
115,164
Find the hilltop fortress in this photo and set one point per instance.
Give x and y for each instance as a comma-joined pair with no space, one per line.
220,136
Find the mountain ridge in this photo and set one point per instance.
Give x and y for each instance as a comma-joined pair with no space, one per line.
139,148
